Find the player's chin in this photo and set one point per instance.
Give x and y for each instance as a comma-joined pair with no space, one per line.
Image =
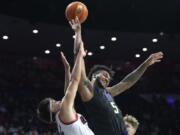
104,84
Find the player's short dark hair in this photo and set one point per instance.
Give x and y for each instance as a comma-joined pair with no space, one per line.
97,68
43,111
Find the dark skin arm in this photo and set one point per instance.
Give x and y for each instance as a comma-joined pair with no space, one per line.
134,76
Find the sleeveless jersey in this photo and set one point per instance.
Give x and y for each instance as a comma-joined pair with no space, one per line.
103,115
77,127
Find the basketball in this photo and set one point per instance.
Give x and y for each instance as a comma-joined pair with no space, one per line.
76,9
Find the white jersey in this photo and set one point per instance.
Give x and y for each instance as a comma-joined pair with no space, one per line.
76,127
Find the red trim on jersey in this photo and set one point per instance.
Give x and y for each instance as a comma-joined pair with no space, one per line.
69,122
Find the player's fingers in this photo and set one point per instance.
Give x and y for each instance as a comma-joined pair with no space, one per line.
158,61
73,21
76,19
70,23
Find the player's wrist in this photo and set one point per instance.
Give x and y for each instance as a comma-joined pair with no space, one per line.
147,63
78,31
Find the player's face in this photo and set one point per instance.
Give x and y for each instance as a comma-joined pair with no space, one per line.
104,77
130,129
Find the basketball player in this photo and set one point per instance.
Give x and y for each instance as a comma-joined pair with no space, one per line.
68,121
131,123
104,115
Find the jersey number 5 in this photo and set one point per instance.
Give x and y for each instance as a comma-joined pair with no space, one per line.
116,110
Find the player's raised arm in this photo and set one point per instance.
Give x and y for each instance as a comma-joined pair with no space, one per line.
67,71
76,27
67,109
85,87
134,76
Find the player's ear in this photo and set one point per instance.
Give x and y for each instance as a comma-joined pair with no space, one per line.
93,76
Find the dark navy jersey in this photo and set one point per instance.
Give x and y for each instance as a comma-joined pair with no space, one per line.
103,115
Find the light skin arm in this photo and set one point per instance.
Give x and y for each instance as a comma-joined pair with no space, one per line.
67,110
133,77
85,87
67,71
75,25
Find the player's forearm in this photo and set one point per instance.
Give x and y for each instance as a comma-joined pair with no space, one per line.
85,87
74,82
84,81
67,79
134,76
83,71
76,73
77,41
